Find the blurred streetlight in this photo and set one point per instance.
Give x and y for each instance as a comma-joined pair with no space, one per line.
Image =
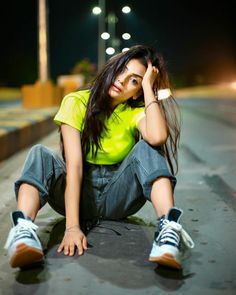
126,36
126,9
105,36
125,49
96,10
110,51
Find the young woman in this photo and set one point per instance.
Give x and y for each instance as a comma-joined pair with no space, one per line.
119,143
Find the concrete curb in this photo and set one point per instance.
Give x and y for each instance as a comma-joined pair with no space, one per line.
21,127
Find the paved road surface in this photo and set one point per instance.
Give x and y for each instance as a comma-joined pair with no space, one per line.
117,263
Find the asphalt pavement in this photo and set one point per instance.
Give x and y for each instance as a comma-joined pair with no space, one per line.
117,261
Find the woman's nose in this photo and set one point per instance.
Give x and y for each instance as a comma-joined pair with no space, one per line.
121,79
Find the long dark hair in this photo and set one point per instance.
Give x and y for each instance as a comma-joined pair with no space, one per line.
99,104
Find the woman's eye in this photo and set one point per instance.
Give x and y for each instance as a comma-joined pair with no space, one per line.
134,81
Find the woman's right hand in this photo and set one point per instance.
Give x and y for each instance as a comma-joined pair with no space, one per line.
73,239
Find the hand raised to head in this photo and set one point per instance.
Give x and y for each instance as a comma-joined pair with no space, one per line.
150,75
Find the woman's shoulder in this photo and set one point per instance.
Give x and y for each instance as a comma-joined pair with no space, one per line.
78,96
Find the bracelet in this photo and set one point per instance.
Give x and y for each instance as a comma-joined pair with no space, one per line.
70,229
150,103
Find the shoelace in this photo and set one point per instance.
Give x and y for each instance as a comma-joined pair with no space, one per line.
169,232
23,228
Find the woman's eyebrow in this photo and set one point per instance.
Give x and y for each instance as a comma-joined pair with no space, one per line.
134,74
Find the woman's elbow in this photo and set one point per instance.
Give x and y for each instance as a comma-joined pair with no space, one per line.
157,140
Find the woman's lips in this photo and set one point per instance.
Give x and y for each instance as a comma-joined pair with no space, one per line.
116,88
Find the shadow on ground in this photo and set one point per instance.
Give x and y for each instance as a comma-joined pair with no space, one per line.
118,254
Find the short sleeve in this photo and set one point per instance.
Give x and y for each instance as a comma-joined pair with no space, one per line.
137,115
72,110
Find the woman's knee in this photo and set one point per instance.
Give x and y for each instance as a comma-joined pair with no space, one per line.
39,153
38,149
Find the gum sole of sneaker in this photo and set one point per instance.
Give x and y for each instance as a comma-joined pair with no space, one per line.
166,260
25,255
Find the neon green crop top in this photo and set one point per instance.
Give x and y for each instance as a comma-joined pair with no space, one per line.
119,138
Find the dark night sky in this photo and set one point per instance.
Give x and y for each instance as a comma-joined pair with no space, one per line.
196,38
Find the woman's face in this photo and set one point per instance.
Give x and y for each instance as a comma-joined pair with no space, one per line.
128,83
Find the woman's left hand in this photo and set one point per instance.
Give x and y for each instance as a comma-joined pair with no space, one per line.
150,75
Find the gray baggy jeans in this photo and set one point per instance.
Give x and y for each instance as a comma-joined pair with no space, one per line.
108,191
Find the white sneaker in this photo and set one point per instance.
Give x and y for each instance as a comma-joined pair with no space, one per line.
23,245
166,248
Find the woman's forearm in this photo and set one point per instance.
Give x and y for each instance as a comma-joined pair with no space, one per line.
156,127
72,196
74,168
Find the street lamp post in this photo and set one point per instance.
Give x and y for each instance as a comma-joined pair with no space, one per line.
43,93
43,67
114,42
111,25
101,29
